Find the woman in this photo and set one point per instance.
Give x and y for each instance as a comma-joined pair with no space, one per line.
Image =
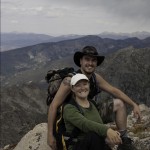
93,133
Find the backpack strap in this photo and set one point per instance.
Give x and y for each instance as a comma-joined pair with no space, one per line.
96,83
94,88
94,102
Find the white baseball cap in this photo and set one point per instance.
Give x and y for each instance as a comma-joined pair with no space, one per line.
77,78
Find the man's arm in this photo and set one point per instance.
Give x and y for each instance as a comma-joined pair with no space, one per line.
60,96
105,86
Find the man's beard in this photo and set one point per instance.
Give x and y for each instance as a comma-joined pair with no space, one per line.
88,72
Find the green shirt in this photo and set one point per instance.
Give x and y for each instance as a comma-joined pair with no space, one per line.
89,121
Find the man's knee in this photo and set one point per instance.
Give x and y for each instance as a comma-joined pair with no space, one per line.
118,104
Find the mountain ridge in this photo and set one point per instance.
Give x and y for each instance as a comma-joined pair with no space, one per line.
35,56
13,40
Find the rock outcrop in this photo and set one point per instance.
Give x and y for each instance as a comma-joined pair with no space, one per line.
36,139
140,131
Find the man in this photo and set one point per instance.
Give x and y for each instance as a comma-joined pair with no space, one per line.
88,59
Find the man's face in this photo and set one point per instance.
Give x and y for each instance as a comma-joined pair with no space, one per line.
88,64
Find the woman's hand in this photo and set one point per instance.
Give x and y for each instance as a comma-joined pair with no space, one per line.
113,137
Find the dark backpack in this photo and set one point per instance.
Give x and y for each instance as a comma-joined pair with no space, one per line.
54,78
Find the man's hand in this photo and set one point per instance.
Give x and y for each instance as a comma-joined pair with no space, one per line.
136,111
52,142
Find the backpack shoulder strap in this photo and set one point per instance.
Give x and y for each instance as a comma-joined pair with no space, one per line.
94,88
95,81
94,103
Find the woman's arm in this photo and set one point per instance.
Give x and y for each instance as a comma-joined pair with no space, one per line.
72,115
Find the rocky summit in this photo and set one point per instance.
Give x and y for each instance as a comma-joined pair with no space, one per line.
139,132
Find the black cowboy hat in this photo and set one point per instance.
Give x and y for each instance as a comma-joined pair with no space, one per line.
90,51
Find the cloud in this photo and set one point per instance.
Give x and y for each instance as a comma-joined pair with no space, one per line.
119,8
134,9
130,9
14,21
76,16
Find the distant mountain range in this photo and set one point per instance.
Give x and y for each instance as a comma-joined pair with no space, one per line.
13,40
111,35
36,56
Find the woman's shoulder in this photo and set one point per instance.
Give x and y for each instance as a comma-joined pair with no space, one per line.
70,110
93,104
69,106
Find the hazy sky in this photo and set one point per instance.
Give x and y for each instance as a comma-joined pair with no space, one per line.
61,17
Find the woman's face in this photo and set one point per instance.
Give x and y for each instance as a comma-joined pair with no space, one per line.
81,89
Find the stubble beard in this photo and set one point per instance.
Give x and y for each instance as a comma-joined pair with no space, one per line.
88,72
